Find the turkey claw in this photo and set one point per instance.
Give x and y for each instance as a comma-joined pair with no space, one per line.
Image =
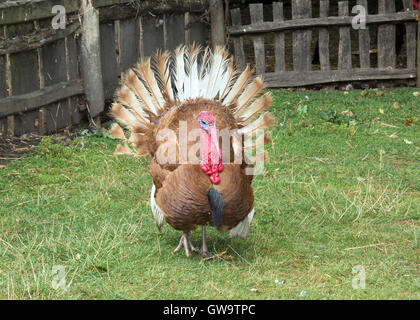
186,243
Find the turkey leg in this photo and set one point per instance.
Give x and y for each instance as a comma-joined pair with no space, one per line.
204,252
186,243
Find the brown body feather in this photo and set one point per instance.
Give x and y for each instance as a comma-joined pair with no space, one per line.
181,189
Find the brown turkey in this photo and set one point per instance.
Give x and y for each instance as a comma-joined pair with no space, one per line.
198,118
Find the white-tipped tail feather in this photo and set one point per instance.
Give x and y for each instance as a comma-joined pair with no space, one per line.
242,229
157,212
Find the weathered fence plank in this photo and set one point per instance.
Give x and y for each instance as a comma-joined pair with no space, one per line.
55,71
386,37
92,61
129,43
306,78
23,65
217,17
36,40
3,84
54,62
72,61
238,42
13,14
187,24
364,41
269,26
196,30
302,39
324,37
256,12
24,78
151,35
174,31
40,10
411,28
32,101
24,72
110,72
418,51
73,73
279,44
42,112
344,46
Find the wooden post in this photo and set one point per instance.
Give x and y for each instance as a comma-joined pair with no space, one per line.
91,60
217,17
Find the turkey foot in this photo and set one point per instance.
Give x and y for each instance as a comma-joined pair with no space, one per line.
204,252
186,243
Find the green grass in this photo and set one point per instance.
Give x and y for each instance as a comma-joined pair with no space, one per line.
338,192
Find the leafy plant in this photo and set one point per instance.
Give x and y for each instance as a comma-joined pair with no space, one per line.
346,117
98,133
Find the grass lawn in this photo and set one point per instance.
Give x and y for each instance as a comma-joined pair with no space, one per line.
341,190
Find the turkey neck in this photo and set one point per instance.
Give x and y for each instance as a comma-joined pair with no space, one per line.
211,157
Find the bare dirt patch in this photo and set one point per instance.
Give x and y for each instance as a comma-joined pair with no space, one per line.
14,148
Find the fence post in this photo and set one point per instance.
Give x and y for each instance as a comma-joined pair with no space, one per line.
217,17
91,60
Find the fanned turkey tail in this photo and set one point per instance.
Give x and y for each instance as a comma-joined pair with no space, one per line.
153,86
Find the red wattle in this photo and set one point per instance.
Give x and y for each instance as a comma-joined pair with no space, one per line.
211,155
215,178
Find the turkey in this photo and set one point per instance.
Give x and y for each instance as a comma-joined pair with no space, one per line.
198,117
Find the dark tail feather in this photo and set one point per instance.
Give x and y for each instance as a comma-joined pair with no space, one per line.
216,206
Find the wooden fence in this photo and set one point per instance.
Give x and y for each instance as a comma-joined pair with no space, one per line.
41,87
302,26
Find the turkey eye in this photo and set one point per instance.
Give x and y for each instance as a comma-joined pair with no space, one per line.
203,123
